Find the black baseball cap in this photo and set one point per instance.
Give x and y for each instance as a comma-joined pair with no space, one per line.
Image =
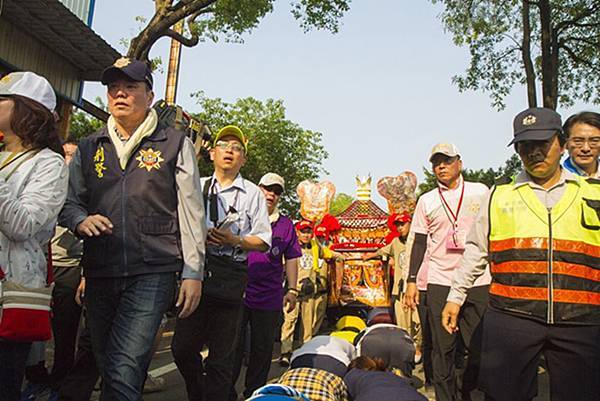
133,69
536,124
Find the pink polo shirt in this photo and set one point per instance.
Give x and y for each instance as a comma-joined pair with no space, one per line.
433,219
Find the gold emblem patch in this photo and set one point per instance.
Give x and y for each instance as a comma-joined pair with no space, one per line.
122,62
149,159
6,79
529,120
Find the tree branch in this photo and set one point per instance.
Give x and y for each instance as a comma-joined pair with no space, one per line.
578,60
506,35
188,42
584,14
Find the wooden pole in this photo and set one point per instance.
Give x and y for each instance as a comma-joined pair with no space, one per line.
173,71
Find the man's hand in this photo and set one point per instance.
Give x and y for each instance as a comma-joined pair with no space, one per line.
450,317
411,297
222,237
289,301
80,293
189,297
94,226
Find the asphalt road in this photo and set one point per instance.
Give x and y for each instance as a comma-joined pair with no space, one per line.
163,366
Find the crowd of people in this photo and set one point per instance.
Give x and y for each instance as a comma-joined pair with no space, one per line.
119,229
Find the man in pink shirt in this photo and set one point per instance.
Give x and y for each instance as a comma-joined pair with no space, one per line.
442,220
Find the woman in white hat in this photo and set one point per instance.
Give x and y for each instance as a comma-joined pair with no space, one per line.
33,188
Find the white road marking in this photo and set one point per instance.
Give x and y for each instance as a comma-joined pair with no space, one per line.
163,370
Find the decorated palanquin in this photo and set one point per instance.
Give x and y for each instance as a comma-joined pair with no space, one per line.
363,229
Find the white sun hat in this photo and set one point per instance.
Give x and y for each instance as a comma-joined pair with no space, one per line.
29,85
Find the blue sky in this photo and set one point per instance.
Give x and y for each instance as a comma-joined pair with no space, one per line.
380,90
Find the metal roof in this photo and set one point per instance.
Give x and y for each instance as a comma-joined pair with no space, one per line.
50,22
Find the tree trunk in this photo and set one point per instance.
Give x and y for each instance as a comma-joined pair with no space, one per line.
548,71
526,54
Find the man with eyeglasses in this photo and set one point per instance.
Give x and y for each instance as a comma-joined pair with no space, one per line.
540,233
266,297
583,144
442,219
238,221
134,198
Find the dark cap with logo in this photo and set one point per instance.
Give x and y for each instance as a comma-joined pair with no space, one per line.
536,124
124,67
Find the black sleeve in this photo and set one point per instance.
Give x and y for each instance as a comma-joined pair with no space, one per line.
417,255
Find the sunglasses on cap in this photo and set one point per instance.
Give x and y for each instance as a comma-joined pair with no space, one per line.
276,189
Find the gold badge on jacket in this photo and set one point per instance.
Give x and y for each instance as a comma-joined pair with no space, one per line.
149,159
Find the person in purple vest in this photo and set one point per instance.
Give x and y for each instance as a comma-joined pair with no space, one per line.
265,295
135,199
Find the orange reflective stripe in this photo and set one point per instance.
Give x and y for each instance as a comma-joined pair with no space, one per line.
509,291
518,243
560,245
577,297
530,267
541,294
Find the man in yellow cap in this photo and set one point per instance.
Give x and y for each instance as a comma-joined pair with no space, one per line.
238,222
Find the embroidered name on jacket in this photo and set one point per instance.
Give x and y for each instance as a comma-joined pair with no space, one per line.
99,162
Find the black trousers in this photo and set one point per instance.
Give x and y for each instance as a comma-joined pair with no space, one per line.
65,321
426,342
511,351
448,385
79,383
13,357
217,325
263,331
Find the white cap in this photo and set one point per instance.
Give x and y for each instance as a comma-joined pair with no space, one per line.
272,179
447,149
29,85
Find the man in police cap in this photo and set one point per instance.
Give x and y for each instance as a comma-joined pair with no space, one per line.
134,198
541,237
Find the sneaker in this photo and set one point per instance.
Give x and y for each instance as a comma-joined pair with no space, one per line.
154,384
284,359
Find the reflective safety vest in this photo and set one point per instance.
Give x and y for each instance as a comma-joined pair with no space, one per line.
545,263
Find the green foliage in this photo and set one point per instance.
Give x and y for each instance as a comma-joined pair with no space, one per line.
340,203
486,176
320,14
229,19
494,33
276,144
83,124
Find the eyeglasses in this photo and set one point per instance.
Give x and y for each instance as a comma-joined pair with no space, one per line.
234,146
594,142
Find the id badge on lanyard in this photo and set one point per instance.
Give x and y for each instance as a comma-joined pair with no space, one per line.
455,238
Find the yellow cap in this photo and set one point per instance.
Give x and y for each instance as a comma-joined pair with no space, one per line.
350,321
345,335
232,130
